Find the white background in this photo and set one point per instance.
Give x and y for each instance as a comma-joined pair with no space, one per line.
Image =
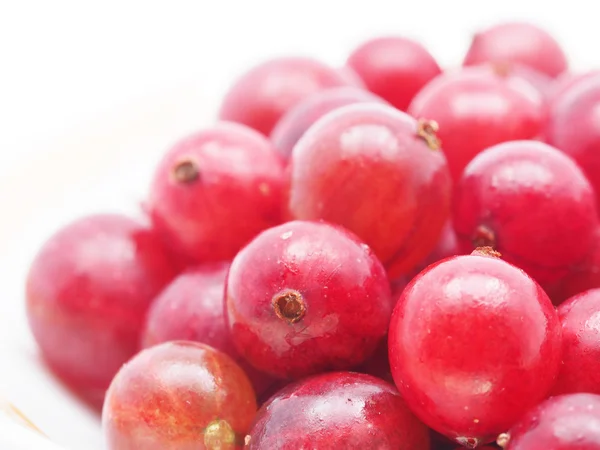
87,87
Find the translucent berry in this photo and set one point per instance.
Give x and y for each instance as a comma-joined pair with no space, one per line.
394,68
580,320
215,190
261,96
306,297
179,395
191,309
298,119
573,127
565,422
340,410
476,108
474,343
516,42
378,172
87,292
531,203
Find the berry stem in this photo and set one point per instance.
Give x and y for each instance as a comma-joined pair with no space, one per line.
427,130
289,306
186,171
503,440
484,237
486,251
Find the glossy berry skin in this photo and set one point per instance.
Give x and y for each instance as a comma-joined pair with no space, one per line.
215,190
580,320
378,172
474,343
261,96
298,119
87,293
339,410
394,68
521,43
542,83
306,297
567,81
531,203
178,395
476,108
565,422
191,308
573,126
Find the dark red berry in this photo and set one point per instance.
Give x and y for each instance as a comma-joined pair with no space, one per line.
476,108
580,277
306,297
216,190
394,68
531,203
521,43
261,96
573,127
178,395
298,119
565,422
474,343
580,320
340,410
191,309
87,291
379,173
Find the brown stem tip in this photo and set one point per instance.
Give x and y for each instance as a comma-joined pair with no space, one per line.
427,130
486,251
186,171
503,440
289,306
468,442
219,435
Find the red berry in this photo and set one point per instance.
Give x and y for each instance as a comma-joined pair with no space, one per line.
298,119
215,190
531,203
476,108
395,68
351,77
379,173
88,290
573,126
581,277
566,422
521,43
191,309
266,92
447,246
178,395
580,320
542,83
474,343
378,365
341,410
305,297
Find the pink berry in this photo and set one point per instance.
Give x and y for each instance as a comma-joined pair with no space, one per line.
531,203
87,291
351,77
565,422
566,81
474,343
580,320
394,68
378,172
178,395
521,43
300,118
191,309
266,92
306,297
214,191
476,108
340,410
542,83
573,127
